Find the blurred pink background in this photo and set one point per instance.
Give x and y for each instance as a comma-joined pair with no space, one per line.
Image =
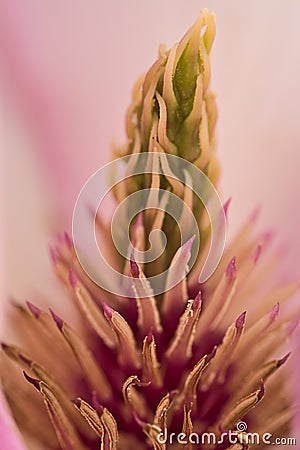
67,74
67,71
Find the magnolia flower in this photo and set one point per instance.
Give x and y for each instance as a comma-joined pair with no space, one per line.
197,359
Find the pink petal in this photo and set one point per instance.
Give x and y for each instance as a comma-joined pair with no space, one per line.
295,379
10,437
58,85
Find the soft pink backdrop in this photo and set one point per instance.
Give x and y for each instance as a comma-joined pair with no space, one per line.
67,73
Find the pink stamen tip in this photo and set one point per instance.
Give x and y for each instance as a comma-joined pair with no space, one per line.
198,300
96,404
72,278
150,334
54,256
187,246
14,302
231,269
257,253
268,235
240,321
68,240
33,381
59,322
173,394
226,206
108,311
138,420
4,346
91,212
291,326
134,268
254,216
261,391
139,219
281,361
27,361
34,309
274,312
